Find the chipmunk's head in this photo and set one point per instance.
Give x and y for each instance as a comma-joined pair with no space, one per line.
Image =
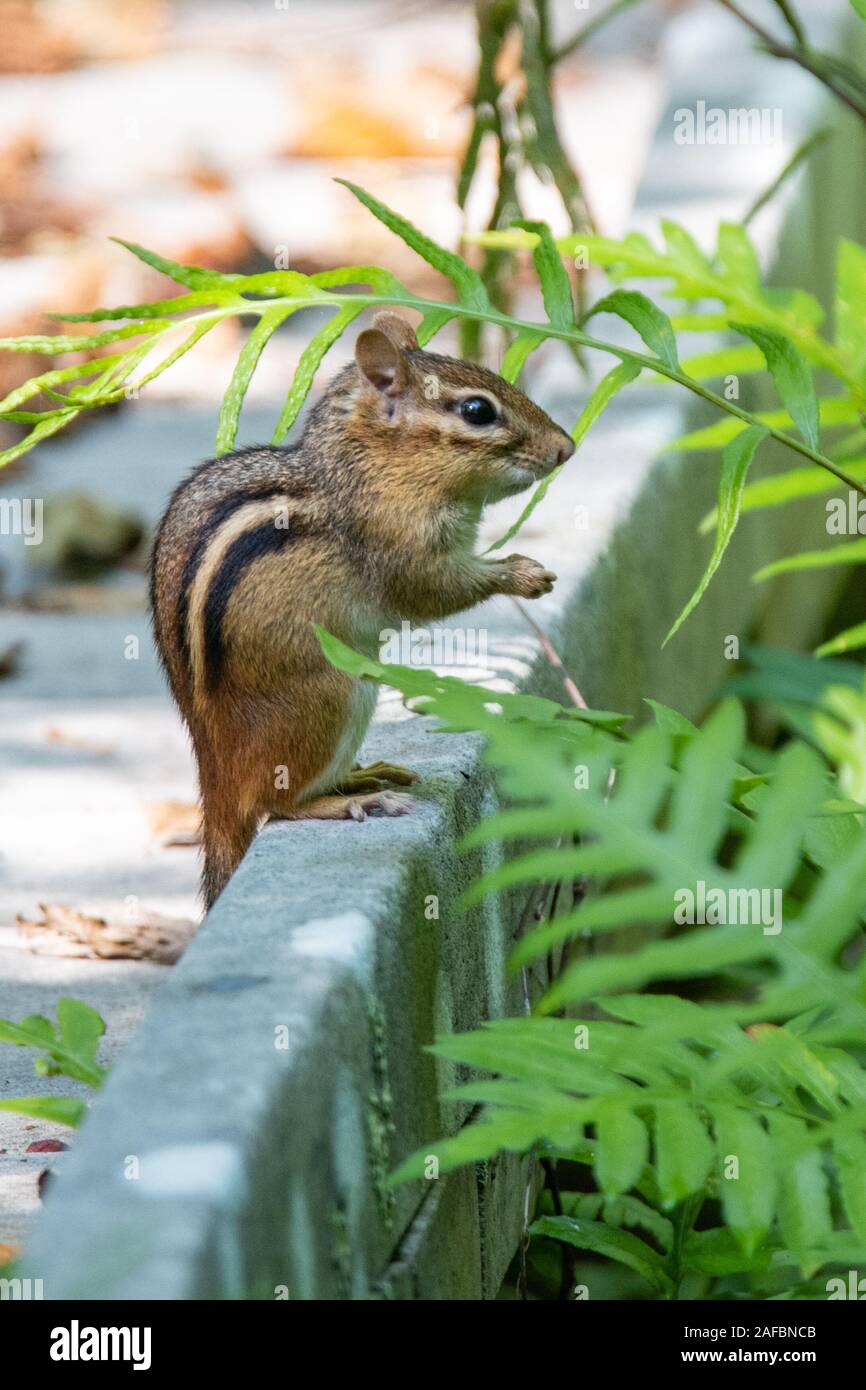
448,425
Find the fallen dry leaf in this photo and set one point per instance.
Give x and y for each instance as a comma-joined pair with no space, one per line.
64,931
175,823
32,45
57,735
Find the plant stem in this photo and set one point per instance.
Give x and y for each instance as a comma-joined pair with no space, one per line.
684,1219
591,28
525,131
627,355
792,19
552,655
495,18
567,1253
544,147
802,56
547,330
802,152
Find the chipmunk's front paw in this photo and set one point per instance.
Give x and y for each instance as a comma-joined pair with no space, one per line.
377,776
380,804
527,578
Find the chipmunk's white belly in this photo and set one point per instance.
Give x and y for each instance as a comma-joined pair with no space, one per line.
362,704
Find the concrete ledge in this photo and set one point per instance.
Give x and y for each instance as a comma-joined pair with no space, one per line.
280,1061
241,1144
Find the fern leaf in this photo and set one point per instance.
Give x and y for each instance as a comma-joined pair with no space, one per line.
804,1207
833,410
736,460
851,553
60,342
601,1239
194,277
852,639
468,283
788,487
158,308
622,1148
850,305
311,359
791,376
683,1151
517,353
650,322
241,377
604,392
552,275
61,1110
748,1190
431,323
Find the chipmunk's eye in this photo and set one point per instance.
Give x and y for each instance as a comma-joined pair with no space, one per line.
477,410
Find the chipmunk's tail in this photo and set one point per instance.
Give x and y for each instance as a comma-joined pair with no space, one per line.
226,834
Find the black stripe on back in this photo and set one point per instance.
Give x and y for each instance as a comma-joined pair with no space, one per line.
252,545
221,512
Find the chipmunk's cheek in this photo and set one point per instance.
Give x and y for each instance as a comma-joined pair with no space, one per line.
516,477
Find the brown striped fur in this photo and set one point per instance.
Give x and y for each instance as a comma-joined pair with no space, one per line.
370,520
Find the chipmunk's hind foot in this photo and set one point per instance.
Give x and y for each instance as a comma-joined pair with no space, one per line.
384,804
379,803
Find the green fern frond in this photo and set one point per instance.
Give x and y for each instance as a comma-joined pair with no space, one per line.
781,325
755,1097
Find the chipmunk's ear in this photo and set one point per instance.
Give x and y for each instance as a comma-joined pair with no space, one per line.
398,329
382,362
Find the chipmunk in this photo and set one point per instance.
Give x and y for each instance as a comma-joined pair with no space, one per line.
370,520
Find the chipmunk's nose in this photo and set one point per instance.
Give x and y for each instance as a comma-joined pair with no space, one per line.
563,449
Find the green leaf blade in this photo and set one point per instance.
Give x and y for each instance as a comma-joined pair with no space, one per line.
736,254
804,1207
617,1245
52,345
80,1028
61,1110
648,321
552,275
748,1181
622,1149
246,364
736,460
158,308
791,376
849,1152
684,1152
851,553
852,639
468,283
850,305
614,381
517,354
310,361
194,277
